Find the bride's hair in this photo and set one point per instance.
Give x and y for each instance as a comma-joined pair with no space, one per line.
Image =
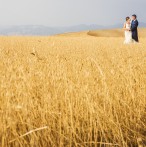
127,18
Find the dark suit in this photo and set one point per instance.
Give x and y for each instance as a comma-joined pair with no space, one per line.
134,26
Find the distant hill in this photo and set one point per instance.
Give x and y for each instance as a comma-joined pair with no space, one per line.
45,30
141,25
28,30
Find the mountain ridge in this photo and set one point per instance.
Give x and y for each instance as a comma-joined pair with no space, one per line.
42,30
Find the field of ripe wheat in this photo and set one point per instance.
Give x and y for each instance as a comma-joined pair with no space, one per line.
72,90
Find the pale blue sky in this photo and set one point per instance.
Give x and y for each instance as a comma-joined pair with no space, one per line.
69,12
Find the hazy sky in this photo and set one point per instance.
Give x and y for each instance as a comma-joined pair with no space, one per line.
69,12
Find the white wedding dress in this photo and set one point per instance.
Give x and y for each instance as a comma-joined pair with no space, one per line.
128,35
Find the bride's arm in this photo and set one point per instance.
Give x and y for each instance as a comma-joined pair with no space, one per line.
124,27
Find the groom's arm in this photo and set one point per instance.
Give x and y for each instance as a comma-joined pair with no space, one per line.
134,26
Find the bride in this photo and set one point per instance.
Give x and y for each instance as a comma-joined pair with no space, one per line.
128,33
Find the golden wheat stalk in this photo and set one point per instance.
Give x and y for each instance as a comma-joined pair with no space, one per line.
30,132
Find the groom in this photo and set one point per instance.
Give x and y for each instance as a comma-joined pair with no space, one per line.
134,26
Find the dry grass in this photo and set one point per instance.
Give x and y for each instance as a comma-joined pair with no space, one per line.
72,90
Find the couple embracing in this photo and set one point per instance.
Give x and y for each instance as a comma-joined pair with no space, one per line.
131,32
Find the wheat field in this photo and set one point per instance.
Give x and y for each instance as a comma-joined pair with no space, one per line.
72,90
